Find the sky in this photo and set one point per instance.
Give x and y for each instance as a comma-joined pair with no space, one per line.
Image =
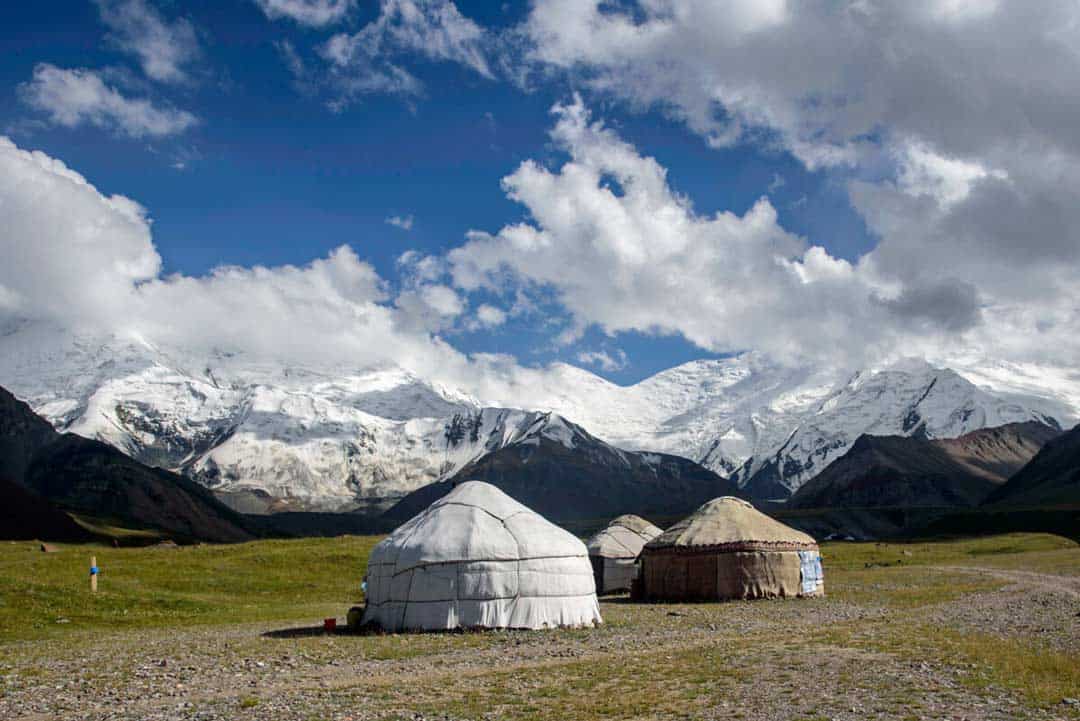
480,189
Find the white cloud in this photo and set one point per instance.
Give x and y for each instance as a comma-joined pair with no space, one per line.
604,360
948,180
828,81
955,124
312,13
163,48
959,11
405,222
357,68
87,262
417,268
68,250
643,260
369,60
488,316
437,30
76,97
426,304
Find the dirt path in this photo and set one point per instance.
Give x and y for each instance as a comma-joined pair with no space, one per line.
1067,585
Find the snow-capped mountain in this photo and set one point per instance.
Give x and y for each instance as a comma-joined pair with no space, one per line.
771,428
563,472
911,399
271,436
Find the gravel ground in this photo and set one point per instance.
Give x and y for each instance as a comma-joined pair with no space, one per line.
760,660
1033,606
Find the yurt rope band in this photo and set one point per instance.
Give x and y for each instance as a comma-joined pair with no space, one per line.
473,560
734,547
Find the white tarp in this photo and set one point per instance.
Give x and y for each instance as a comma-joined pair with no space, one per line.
478,558
813,578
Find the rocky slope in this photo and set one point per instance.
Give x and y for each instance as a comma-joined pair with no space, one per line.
898,471
561,471
1051,478
273,437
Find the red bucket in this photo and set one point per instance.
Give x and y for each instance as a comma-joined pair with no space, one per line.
329,624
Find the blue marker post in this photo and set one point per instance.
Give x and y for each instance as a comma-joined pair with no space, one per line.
93,574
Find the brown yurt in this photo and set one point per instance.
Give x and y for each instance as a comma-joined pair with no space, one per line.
614,552
730,550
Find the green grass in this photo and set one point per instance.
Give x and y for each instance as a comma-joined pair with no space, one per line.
973,551
1043,675
1061,562
106,530
47,594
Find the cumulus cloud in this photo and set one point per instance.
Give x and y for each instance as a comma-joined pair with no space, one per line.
369,60
642,260
604,360
80,96
163,48
826,79
312,13
68,250
954,123
87,262
405,222
947,180
488,316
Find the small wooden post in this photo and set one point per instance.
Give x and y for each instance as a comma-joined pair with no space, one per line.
93,574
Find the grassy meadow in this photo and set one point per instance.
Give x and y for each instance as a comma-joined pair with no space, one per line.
47,594
892,604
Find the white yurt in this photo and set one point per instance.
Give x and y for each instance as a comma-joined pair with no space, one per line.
477,558
614,551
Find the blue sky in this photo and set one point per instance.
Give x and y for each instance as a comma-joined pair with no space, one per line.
905,211
271,175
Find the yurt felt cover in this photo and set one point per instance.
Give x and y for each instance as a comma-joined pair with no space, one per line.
624,537
613,552
477,558
729,549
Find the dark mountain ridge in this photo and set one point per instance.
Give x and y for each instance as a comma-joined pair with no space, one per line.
56,473
1051,478
912,471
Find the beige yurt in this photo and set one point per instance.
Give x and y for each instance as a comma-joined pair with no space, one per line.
728,549
476,558
614,552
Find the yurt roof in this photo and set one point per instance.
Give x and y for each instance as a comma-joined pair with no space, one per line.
624,537
475,522
729,522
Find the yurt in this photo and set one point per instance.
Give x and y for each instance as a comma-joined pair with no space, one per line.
728,549
614,552
477,558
